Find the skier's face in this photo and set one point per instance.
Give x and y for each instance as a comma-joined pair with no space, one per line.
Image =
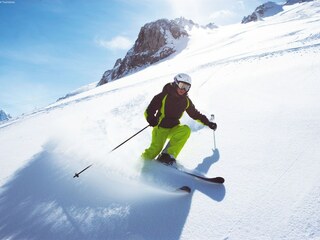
182,88
181,91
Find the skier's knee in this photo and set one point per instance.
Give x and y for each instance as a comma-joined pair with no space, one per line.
186,130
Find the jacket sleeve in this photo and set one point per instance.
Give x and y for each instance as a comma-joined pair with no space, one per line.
195,114
154,106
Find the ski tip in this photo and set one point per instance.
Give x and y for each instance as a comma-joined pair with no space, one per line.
219,180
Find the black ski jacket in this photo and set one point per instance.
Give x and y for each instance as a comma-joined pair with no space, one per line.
168,107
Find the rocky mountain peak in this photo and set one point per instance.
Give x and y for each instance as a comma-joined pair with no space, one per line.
153,36
265,10
156,41
188,24
268,9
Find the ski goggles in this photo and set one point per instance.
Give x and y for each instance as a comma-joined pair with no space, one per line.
184,86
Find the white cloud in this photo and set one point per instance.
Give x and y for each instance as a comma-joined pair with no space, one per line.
241,5
191,9
222,14
116,43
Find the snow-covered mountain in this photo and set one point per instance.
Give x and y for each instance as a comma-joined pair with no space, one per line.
261,80
156,41
290,2
265,10
269,9
4,116
79,90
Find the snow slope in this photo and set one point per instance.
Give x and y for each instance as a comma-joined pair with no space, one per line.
261,80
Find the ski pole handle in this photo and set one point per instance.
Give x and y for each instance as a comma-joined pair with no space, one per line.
214,136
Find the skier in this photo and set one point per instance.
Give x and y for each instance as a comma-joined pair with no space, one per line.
163,114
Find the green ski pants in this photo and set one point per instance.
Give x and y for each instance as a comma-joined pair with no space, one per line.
177,136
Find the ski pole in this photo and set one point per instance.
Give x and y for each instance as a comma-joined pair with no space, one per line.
214,136
129,138
77,174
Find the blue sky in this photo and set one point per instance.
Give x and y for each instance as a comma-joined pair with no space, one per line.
51,47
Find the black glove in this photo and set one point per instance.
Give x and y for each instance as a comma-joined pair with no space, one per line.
212,125
153,121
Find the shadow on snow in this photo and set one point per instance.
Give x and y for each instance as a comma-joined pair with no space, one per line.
43,201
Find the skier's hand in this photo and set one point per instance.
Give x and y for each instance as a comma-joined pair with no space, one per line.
212,125
153,121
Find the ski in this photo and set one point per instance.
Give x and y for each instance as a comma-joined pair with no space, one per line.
216,180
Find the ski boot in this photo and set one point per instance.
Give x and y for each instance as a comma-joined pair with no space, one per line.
166,159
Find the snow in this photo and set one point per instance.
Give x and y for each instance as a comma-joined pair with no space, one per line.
261,80
80,90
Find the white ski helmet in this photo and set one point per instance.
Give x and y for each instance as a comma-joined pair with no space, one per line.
182,77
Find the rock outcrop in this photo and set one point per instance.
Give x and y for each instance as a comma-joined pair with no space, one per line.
156,41
269,9
265,10
4,116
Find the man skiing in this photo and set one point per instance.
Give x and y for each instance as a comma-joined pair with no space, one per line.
163,114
